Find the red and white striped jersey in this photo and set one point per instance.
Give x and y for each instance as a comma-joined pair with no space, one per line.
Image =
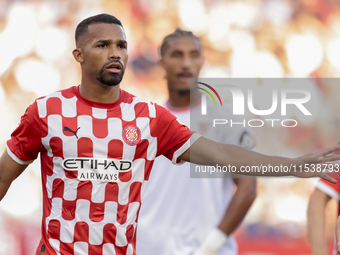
95,162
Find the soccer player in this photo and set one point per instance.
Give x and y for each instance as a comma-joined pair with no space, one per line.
97,144
322,194
337,233
183,215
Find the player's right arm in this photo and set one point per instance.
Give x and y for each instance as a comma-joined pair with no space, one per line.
9,171
316,222
207,152
22,149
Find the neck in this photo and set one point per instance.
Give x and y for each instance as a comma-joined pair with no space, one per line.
98,92
179,100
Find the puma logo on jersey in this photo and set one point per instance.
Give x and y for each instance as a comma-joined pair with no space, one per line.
70,130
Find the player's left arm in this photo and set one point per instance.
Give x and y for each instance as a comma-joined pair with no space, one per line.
235,213
316,222
239,205
207,152
337,233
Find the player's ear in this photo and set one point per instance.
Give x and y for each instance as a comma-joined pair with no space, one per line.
161,63
203,59
78,55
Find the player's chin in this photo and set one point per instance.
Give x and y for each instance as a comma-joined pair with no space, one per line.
111,79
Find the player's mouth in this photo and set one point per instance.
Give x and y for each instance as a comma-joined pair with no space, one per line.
114,67
184,76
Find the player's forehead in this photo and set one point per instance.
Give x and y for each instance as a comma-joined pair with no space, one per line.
183,44
105,31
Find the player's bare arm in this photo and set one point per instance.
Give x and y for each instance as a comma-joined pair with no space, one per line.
239,205
316,222
207,152
337,233
235,213
9,171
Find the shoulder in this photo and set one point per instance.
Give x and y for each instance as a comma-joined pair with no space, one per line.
140,106
64,93
332,190
61,101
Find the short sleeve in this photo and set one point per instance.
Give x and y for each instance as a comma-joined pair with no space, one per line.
331,189
25,143
173,137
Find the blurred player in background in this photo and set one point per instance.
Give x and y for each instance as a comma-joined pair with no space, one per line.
316,220
337,234
183,215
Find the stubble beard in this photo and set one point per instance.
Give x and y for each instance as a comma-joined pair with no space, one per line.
110,79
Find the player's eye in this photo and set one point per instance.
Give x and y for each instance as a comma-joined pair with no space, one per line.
195,54
101,45
122,46
176,54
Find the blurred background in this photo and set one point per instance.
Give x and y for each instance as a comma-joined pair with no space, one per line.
241,38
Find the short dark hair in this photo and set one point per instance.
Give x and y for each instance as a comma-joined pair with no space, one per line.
177,33
100,18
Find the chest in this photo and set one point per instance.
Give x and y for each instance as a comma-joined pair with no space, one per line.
87,136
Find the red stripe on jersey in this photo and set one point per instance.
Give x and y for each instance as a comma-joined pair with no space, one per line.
147,169
56,145
122,213
71,174
69,209
142,149
115,149
58,188
111,192
130,232
66,248
135,189
81,232
142,110
110,232
97,211
121,250
84,190
47,168
54,229
100,128
125,176
95,249
69,93
53,106
85,147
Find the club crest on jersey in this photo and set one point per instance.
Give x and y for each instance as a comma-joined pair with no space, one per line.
131,135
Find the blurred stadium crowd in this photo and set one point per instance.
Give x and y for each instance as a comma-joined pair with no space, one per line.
241,38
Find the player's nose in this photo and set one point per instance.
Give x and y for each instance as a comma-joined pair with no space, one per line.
186,63
113,53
